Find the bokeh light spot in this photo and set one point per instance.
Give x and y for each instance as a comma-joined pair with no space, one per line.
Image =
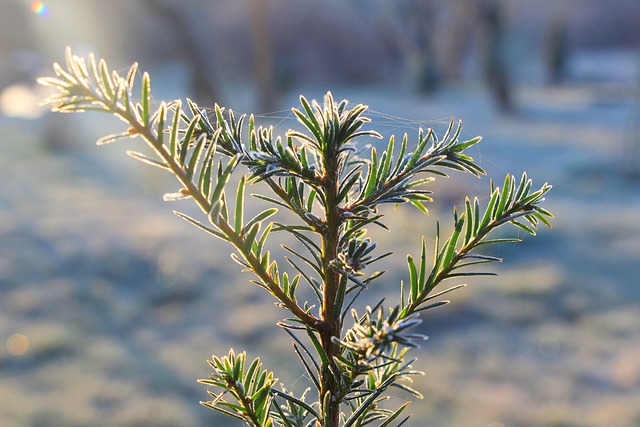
17,344
39,8
20,101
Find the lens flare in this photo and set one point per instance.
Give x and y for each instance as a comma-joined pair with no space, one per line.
39,8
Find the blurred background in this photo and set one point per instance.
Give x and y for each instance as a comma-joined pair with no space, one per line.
110,306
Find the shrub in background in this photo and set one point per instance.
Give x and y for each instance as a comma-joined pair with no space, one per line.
352,356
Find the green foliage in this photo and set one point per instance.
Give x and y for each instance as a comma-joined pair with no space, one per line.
250,390
318,176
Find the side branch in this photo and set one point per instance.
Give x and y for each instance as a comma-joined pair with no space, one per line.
92,87
513,202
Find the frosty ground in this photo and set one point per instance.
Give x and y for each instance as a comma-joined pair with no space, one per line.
122,303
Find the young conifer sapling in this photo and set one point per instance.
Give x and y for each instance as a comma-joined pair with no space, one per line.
351,355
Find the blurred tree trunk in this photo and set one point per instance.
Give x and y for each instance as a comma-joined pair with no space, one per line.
557,51
263,56
19,55
203,87
493,55
416,19
458,37
406,30
632,154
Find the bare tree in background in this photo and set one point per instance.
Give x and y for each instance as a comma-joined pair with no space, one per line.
203,86
632,155
557,50
458,37
263,56
416,18
18,46
493,54
433,38
406,29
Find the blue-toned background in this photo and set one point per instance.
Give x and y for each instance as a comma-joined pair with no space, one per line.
110,305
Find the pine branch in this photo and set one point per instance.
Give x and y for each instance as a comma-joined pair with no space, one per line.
251,390
388,183
85,87
515,202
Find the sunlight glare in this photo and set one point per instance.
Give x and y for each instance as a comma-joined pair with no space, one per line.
20,101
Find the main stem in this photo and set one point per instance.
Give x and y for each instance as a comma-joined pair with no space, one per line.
330,313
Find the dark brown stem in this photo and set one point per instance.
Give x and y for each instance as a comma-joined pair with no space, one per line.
330,313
